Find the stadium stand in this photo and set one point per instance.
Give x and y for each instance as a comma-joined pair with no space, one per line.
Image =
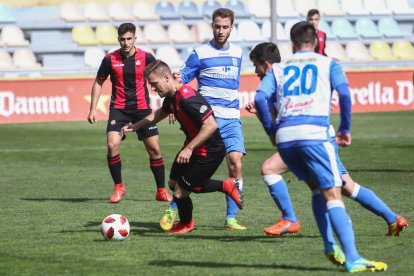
71,12
189,10
170,55
234,36
140,36
324,26
60,61
354,7
209,6
93,57
166,10
330,8
259,8
12,35
238,7
24,58
178,32
84,35
47,41
289,24
285,50
120,11
356,51
96,12
202,31
380,50
343,29
367,29
250,31
286,10
403,49
6,16
155,33
144,11
376,7
6,61
280,31
388,28
335,50
303,6
106,34
400,7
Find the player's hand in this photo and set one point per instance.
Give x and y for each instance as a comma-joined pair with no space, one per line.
334,100
171,119
343,139
184,156
251,108
177,76
92,117
127,128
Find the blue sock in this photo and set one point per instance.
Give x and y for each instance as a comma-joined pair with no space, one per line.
173,205
342,226
231,204
322,221
368,199
279,192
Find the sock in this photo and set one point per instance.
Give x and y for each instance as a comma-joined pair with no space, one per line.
342,226
231,204
279,192
157,168
369,200
212,186
322,221
185,209
173,205
114,165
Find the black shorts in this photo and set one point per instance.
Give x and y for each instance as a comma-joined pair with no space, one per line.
197,172
118,118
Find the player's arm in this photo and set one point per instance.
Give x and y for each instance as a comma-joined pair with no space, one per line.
191,68
153,118
207,129
340,84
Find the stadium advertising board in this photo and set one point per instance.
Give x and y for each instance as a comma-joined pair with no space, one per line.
49,100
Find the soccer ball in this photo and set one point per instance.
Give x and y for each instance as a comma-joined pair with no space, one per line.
115,228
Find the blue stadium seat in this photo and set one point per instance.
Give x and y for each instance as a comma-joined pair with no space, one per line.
238,7
166,10
366,28
388,27
343,29
209,6
61,61
189,10
6,15
324,27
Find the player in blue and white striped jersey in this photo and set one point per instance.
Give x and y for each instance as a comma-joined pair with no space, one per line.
216,66
303,86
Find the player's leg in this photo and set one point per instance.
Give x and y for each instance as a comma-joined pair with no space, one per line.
185,211
167,221
272,170
150,138
117,119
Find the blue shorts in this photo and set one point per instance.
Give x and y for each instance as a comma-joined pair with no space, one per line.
232,135
341,166
314,162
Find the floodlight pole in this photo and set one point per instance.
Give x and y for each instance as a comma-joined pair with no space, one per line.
273,20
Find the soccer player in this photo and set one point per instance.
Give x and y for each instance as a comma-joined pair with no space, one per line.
263,56
314,18
302,88
129,103
203,149
216,66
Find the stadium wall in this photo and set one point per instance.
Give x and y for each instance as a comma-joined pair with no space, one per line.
68,99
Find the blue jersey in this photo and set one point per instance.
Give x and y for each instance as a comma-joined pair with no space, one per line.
302,88
218,74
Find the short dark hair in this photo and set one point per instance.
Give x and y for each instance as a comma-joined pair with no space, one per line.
303,33
223,13
265,51
312,12
159,67
126,27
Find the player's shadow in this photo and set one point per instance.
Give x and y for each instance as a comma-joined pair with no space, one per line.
175,263
262,238
76,199
381,170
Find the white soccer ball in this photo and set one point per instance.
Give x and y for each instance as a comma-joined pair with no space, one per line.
115,227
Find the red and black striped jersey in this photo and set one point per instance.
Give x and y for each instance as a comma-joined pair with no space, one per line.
320,46
191,109
129,90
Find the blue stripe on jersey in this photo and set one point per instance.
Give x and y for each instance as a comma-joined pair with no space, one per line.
219,61
222,83
298,143
225,103
304,120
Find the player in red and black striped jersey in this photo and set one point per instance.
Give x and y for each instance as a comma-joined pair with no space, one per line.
129,104
314,18
203,149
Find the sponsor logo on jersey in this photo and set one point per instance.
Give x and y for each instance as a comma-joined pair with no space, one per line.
234,61
113,122
138,63
119,65
203,109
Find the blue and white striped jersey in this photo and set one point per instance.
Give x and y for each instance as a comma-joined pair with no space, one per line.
218,75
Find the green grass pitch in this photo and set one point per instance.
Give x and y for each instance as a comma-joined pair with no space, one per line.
55,187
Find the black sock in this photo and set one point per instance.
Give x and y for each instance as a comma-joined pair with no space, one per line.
157,168
114,165
212,186
185,209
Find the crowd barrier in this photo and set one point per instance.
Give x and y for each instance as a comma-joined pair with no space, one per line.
68,99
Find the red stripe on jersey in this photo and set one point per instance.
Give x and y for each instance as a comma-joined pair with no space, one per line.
206,116
139,79
321,41
118,86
